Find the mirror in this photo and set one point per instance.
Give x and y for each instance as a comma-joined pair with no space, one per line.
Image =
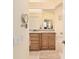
24,19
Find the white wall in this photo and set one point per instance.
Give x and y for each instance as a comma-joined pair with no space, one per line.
21,44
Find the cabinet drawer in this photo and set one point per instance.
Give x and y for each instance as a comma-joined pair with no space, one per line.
48,34
34,42
34,34
35,47
34,38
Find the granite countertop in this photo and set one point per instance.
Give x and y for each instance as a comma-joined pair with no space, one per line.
42,31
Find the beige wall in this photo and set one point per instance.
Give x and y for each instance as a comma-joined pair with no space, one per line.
59,21
21,44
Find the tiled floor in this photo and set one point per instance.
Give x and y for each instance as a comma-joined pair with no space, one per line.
45,55
49,54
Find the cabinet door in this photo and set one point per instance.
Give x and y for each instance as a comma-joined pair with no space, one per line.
44,41
34,41
51,40
48,41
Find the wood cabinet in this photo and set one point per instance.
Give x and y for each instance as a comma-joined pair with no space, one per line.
42,41
34,41
48,41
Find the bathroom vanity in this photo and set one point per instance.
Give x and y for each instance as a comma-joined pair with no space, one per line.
42,40
41,30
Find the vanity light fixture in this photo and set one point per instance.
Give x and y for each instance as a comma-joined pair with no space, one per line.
38,0
35,10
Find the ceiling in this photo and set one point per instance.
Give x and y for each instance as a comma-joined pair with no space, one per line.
44,4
